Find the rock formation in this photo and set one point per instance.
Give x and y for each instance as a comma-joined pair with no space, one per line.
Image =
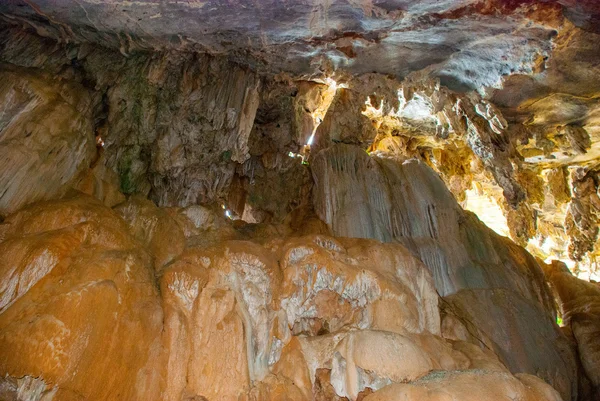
268,201
90,308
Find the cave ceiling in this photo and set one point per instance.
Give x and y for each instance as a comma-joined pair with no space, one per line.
468,44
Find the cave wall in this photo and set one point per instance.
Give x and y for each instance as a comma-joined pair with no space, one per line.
477,272
360,277
181,128
47,139
101,303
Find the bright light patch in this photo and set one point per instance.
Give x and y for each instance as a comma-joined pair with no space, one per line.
417,108
589,273
549,250
319,114
333,85
228,213
488,211
371,111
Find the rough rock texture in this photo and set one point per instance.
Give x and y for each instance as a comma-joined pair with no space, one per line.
493,95
46,138
579,305
402,35
220,200
179,135
477,272
300,318
79,304
172,125
179,128
150,225
467,386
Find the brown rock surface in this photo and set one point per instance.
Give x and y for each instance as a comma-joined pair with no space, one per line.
469,386
80,307
152,226
409,204
579,305
293,319
273,199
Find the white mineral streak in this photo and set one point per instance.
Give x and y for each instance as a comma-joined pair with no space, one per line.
252,284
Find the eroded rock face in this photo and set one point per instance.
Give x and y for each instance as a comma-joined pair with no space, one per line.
46,137
185,127
469,385
580,309
450,35
407,203
80,306
263,218
300,318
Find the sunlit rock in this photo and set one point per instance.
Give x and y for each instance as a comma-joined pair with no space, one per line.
409,204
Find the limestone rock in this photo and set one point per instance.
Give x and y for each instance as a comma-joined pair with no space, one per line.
46,138
469,385
182,103
79,303
408,203
371,197
153,227
102,183
579,303
454,38
368,285
374,359
218,319
278,230
544,350
25,388
583,214
309,317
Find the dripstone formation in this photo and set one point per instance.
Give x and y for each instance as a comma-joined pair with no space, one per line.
270,201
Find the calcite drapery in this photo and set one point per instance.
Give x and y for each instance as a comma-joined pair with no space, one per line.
369,197
256,319
177,302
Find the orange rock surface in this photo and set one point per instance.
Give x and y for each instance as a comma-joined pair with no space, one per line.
105,304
